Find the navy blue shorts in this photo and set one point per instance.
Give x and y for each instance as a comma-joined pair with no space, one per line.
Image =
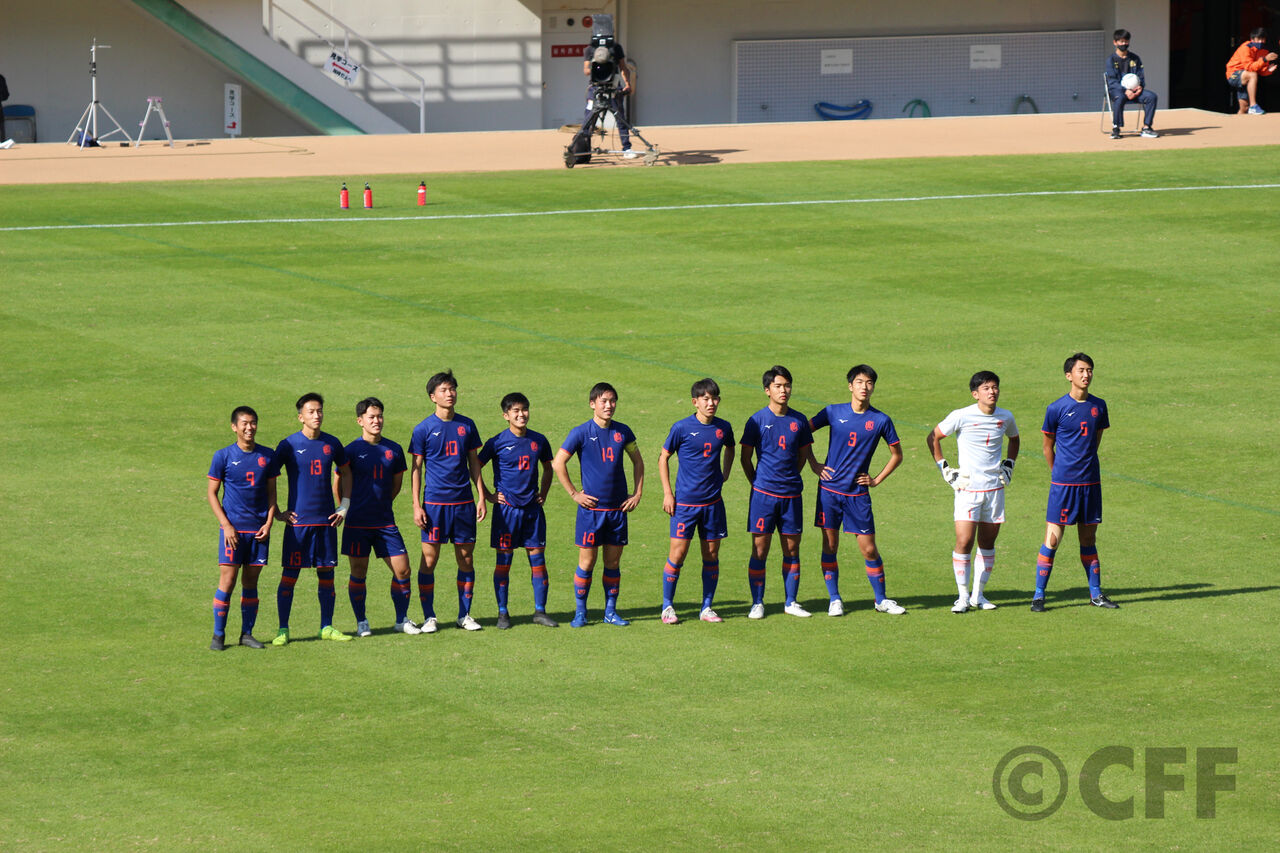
311,546
514,527
596,527
383,541
853,511
454,523
1074,504
708,520
248,552
771,512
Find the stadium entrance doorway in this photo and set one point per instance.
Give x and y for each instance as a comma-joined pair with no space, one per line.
1202,36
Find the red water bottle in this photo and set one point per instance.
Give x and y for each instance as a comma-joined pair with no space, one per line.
422,194
344,198
368,197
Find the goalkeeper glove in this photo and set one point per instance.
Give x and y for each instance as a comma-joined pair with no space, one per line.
953,477
1006,471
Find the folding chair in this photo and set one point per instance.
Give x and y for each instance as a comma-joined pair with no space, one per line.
1106,106
21,112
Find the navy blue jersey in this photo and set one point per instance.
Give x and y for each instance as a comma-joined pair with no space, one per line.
244,476
1077,428
698,447
373,471
308,463
515,464
778,440
853,439
600,452
444,447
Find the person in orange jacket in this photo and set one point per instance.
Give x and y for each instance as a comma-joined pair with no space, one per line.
1251,60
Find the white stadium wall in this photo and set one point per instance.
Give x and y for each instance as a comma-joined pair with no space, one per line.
483,59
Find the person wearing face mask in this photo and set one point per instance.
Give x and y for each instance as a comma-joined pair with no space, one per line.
1250,61
1120,65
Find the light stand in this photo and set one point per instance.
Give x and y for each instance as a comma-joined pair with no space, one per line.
87,127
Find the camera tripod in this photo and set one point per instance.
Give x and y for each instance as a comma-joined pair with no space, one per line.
605,101
87,127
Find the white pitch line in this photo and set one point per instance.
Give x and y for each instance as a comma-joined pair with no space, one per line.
596,211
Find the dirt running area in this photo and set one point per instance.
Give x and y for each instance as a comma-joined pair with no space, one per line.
304,156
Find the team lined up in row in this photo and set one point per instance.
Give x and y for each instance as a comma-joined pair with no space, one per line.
330,484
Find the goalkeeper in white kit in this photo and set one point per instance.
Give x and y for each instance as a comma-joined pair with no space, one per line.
979,482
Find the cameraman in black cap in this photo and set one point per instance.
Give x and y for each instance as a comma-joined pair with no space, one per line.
604,64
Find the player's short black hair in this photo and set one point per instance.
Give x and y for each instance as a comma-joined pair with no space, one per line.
515,398
1072,359
860,370
704,386
1258,33
982,377
439,379
599,390
309,398
1121,33
369,403
773,373
242,410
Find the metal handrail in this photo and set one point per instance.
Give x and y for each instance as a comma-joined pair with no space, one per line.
271,6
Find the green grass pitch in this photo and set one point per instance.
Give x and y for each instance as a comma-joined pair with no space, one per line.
126,348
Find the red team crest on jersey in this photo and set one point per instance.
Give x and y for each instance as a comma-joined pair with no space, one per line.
262,462
328,450
388,454
533,445
794,427
869,426
617,436
999,424
1094,411
462,430
719,433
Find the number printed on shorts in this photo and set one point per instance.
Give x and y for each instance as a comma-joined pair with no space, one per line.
680,530
1065,515
760,525
589,539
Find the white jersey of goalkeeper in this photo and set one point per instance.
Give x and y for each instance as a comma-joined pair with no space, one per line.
980,439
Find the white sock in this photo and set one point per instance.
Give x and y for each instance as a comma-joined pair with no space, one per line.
960,563
986,562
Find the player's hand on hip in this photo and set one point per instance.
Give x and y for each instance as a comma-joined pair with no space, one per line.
827,473
336,519
585,500
631,503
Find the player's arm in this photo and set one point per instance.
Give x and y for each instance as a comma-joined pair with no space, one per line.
637,471
415,496
545,486
748,466
265,530
341,491
895,459
951,476
561,466
664,477
726,468
1050,446
229,534
477,477
805,457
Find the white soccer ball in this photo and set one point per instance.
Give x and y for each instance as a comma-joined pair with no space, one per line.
1130,81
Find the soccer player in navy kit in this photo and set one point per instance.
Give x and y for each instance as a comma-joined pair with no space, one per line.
781,438
245,514
309,458
446,465
377,472
518,494
1073,426
704,446
844,495
603,501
